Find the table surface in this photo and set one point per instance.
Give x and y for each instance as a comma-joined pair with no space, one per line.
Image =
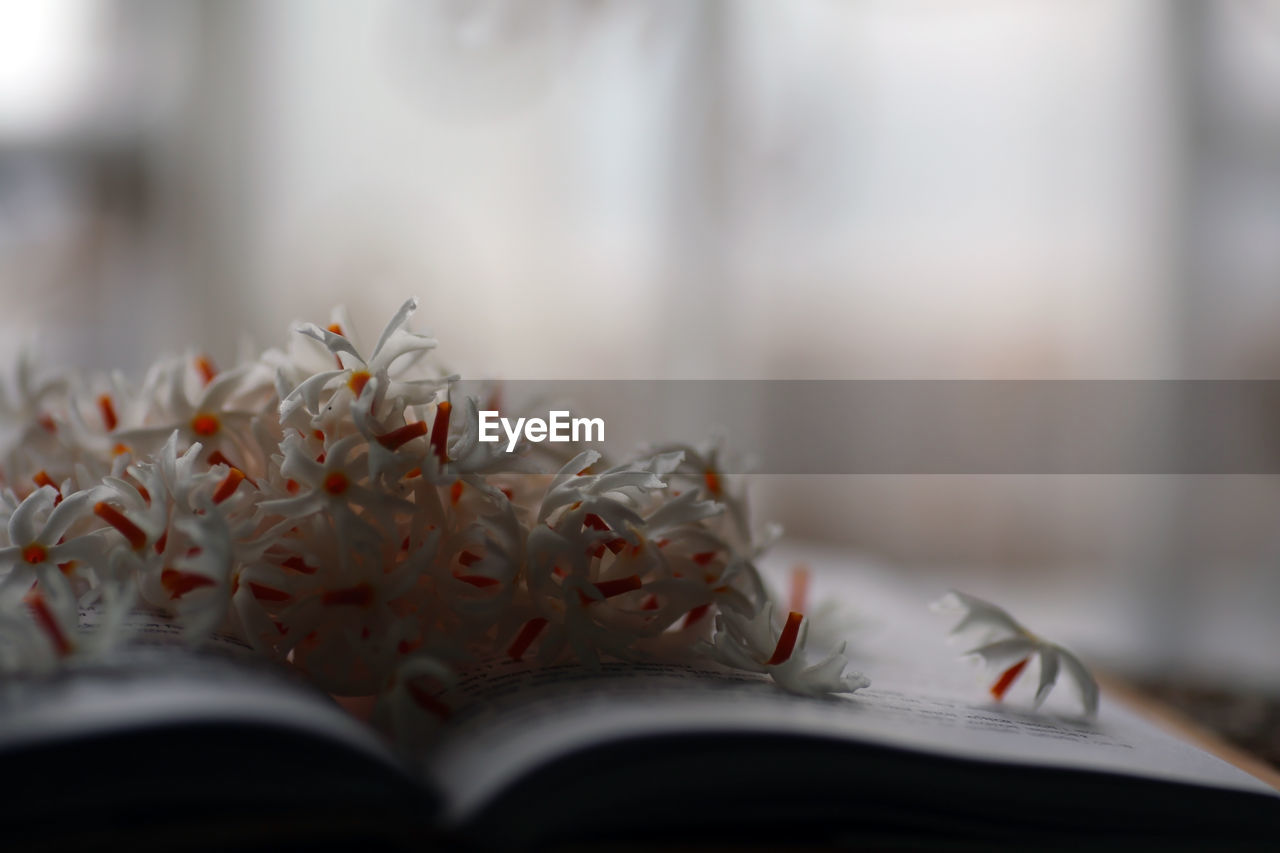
1179,723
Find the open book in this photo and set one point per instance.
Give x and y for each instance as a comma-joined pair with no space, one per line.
214,751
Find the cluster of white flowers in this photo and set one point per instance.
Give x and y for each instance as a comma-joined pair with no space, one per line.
325,505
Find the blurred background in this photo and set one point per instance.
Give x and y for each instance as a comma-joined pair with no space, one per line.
1060,189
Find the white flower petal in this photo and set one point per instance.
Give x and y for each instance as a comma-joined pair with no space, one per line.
1048,672
1083,679
23,523
978,612
401,317
1004,651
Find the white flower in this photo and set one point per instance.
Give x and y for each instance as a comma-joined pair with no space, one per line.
37,566
352,626
337,485
1005,642
29,400
703,468
585,611
157,491
392,450
195,583
469,455
207,420
354,370
752,643
37,550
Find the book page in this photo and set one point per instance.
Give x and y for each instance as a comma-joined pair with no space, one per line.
512,716
159,683
149,626
153,742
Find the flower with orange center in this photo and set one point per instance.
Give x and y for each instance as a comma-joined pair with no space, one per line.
754,644
337,485
1010,646
37,528
355,372
704,468
210,419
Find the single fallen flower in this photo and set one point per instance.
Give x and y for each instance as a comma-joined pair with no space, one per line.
1006,639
